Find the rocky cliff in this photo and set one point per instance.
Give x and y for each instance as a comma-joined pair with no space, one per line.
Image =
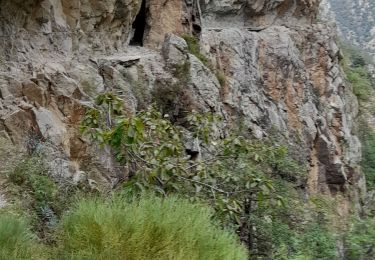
268,65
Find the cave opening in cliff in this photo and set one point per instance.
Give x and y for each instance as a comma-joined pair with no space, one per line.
139,26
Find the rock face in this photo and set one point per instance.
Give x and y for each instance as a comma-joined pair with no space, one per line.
281,70
291,82
258,13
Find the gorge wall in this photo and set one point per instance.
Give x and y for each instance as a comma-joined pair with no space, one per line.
281,68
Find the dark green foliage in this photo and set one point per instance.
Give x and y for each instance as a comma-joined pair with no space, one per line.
149,228
353,56
318,242
37,193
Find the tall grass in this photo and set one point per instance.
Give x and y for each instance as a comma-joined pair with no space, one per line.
16,240
149,228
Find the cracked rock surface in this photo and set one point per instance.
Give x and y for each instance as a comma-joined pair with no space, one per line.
282,75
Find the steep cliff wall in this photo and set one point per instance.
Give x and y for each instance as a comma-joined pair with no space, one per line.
281,70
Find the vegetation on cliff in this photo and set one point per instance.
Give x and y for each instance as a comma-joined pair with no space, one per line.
360,237
356,65
236,185
165,181
251,186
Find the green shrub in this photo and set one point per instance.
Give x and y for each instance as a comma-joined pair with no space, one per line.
368,161
353,56
298,230
237,175
361,82
360,243
354,64
149,228
16,241
318,242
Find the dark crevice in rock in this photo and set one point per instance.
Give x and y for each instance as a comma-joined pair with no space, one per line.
139,26
193,154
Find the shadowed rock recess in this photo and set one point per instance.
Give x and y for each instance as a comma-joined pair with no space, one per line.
281,68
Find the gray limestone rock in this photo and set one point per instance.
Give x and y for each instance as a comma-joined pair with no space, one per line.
282,74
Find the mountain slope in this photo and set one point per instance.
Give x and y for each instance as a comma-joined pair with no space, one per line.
355,19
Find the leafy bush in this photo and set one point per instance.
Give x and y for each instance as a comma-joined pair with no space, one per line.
236,174
16,241
317,242
151,228
298,230
353,56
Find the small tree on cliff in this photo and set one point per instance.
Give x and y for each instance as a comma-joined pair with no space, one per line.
233,177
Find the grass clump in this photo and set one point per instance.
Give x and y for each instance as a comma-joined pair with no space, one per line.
37,191
38,196
16,240
193,48
154,228
31,174
221,78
